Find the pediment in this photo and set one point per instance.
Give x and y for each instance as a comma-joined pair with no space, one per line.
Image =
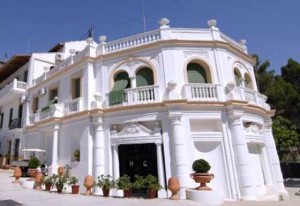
135,129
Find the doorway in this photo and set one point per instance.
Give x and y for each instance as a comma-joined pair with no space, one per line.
138,159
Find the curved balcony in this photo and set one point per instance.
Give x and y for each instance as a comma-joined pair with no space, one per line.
12,91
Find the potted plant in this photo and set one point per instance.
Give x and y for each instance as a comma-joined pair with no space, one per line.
76,155
201,175
139,183
73,182
60,182
48,182
152,185
124,183
33,164
106,183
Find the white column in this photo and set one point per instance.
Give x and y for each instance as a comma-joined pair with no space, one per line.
265,165
242,157
53,168
99,155
160,168
116,169
181,162
274,160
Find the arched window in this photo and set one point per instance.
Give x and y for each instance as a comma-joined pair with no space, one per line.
196,73
144,77
237,77
121,82
248,82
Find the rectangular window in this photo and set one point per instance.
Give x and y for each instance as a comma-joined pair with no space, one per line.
2,118
35,105
53,94
10,116
25,75
76,93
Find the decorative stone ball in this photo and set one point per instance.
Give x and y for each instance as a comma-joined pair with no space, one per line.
173,186
88,183
17,173
60,171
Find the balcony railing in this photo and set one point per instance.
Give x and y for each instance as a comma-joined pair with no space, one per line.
202,92
132,96
133,41
15,123
253,97
74,105
15,85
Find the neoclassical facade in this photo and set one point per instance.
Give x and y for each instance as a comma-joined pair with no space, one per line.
152,104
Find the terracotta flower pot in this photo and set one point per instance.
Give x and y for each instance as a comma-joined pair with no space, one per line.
38,181
151,193
48,186
88,183
127,193
105,192
173,186
60,171
59,189
17,173
202,178
75,189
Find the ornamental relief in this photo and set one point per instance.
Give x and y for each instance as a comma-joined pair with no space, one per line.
198,53
252,128
133,129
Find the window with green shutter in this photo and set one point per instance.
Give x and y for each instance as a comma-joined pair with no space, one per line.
121,82
144,77
237,78
196,73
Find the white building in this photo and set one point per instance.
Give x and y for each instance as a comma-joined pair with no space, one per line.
154,103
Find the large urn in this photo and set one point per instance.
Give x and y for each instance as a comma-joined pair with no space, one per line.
173,186
202,178
88,183
38,181
17,174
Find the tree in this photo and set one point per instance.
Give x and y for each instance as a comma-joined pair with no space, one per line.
291,73
285,135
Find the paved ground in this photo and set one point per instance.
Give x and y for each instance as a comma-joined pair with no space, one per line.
12,194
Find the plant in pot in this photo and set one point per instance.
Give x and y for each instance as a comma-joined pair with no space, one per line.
76,155
124,183
60,182
201,175
152,185
33,164
49,182
106,183
73,182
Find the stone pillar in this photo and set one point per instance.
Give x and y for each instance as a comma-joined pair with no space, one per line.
265,165
274,161
99,155
116,169
160,167
54,165
181,162
241,156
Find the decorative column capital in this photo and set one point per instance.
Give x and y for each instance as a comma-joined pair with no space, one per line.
56,127
175,118
234,117
97,121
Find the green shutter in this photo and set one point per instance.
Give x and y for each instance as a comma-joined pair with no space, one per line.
144,77
122,82
196,74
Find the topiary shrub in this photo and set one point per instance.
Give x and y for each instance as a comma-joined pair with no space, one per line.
201,166
33,163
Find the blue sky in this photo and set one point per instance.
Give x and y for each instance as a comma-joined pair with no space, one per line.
271,27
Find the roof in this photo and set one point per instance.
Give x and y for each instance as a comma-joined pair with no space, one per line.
13,65
57,47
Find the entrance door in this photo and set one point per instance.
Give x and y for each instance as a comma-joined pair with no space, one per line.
138,159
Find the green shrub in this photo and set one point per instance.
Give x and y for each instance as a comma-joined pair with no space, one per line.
201,166
34,162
